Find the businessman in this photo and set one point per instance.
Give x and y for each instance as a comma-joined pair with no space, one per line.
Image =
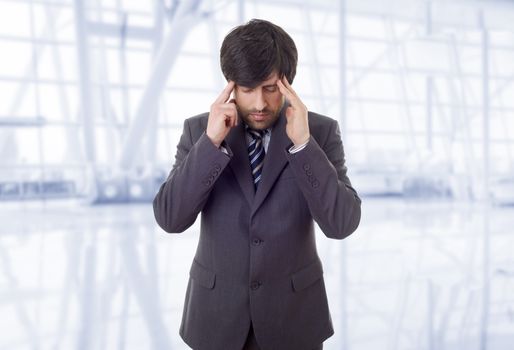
261,169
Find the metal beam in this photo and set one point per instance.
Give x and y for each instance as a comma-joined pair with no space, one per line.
85,110
187,16
114,30
429,84
486,253
398,62
158,27
412,11
316,72
73,149
20,121
241,11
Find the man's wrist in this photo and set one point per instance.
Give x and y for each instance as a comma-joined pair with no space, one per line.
298,148
302,141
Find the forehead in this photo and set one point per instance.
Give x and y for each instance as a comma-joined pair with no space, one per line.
270,80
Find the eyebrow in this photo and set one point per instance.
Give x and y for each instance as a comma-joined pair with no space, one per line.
264,86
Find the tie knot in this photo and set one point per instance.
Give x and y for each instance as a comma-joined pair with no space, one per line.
256,134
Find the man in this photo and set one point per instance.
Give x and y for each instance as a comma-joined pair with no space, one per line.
261,169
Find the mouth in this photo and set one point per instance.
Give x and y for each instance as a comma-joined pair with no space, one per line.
259,116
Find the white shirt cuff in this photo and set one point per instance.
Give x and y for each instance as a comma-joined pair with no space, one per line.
224,150
298,148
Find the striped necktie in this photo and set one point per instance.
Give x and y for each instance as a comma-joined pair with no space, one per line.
256,154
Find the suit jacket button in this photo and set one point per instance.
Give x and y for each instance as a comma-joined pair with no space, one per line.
256,241
308,172
255,285
315,183
306,166
217,167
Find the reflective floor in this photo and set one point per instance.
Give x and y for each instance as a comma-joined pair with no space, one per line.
416,275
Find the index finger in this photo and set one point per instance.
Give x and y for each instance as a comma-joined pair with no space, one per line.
225,94
287,90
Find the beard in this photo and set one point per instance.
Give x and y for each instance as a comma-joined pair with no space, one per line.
267,119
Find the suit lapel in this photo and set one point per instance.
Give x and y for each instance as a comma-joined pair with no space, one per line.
240,164
274,161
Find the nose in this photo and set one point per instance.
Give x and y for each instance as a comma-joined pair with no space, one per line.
260,101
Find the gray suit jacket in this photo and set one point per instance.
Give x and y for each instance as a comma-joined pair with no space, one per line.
256,259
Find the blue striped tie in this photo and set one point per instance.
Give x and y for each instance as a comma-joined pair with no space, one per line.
256,154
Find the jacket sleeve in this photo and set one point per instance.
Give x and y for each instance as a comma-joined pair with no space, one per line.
321,175
182,196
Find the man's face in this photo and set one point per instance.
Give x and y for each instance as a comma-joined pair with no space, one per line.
259,107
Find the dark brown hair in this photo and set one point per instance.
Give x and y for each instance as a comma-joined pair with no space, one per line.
252,51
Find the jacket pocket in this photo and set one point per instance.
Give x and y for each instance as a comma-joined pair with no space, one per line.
204,277
307,276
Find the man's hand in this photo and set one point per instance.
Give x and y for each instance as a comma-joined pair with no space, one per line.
222,116
297,127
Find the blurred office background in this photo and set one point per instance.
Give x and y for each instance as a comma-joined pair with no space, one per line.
93,96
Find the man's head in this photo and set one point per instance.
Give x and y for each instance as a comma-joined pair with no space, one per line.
255,55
